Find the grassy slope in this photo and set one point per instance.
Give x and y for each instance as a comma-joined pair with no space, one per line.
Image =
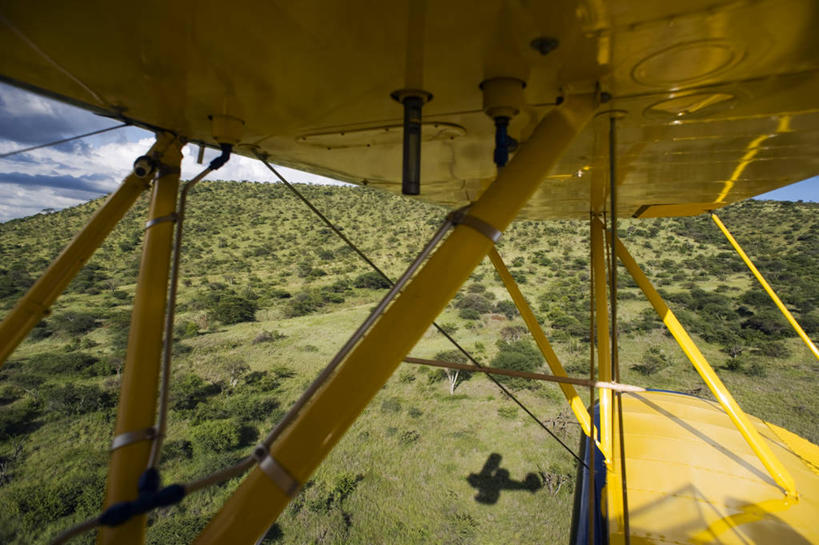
399,475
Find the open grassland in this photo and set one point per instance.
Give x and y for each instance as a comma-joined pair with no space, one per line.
268,295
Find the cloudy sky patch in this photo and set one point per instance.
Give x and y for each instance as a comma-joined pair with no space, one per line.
74,172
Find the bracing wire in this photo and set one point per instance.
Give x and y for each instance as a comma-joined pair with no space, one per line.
378,270
62,141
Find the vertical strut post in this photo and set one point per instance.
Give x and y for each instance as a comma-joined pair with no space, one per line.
300,448
412,97
602,326
34,305
138,393
575,402
761,279
721,393
411,170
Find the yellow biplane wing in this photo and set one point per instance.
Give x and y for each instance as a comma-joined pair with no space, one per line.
719,100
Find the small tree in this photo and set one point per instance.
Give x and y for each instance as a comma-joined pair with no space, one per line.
453,375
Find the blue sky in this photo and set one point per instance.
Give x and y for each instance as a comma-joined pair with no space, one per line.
75,172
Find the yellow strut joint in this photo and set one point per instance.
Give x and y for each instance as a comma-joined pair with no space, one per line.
273,469
761,279
780,475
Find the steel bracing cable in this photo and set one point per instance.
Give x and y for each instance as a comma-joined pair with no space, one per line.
62,141
167,348
378,270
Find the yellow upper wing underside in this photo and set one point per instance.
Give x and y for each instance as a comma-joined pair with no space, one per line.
720,99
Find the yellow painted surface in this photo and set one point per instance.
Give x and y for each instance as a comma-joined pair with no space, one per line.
692,478
721,99
140,377
677,210
601,317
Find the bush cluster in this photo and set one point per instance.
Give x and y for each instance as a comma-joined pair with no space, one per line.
520,355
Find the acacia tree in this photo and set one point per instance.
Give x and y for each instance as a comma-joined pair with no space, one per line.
454,376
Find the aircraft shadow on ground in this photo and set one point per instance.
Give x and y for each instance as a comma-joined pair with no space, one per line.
492,479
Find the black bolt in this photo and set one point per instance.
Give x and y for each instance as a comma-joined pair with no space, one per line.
544,44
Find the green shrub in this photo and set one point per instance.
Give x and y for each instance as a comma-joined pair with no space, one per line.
469,314
205,412
408,437
57,363
773,349
10,393
177,449
756,369
475,302
344,485
41,331
74,399
14,281
188,391
436,375
449,328
371,280
89,280
268,336
186,330
304,303
251,408
216,436
19,418
653,360
118,325
74,323
454,355
508,412
734,363
507,308
520,355
769,323
232,309
391,405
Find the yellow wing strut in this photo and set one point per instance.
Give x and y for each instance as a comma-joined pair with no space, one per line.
529,319
717,387
785,312
140,379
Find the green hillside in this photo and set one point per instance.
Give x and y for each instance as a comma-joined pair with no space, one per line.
267,296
